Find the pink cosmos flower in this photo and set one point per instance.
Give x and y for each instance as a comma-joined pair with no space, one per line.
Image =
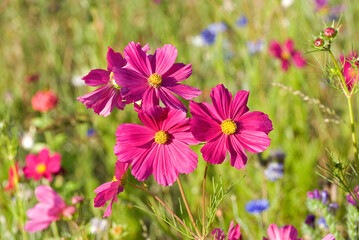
13,177
160,147
287,232
287,54
234,232
109,191
51,207
329,237
229,126
44,101
155,77
108,96
355,193
350,72
42,165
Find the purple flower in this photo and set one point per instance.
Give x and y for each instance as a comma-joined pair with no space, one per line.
310,221
274,171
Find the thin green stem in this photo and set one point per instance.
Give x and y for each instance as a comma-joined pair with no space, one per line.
351,115
54,229
188,209
204,201
350,106
163,204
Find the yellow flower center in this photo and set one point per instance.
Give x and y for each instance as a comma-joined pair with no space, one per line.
228,127
285,55
113,82
161,137
155,80
40,168
114,179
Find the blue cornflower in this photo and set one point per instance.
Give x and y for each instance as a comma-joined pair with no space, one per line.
208,35
322,223
257,206
274,171
242,21
91,132
255,46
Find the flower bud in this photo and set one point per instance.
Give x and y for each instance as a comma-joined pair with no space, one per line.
330,32
318,43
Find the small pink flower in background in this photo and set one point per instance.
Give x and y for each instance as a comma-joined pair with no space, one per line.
234,232
32,78
108,96
160,147
44,101
13,177
350,72
109,191
355,193
42,165
76,199
155,77
329,237
287,232
51,207
229,126
287,54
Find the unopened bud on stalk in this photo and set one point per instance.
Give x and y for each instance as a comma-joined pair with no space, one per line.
330,32
318,43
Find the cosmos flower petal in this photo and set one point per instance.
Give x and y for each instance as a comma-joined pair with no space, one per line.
273,232
234,232
97,77
54,163
109,207
239,105
256,121
132,83
215,150
142,164
165,57
120,169
36,225
178,72
171,101
114,59
150,98
298,59
289,232
183,158
289,44
329,237
285,65
138,59
184,91
221,99
134,134
275,49
164,172
236,152
253,141
46,194
103,187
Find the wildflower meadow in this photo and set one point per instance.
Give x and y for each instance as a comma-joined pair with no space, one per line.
159,119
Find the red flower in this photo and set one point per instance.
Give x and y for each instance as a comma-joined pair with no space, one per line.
44,101
287,54
13,177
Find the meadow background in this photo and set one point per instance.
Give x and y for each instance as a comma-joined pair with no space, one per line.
63,40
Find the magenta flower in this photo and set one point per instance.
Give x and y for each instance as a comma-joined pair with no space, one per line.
160,147
229,126
42,165
44,101
234,232
109,191
51,207
108,96
356,194
329,237
287,54
154,77
350,71
287,232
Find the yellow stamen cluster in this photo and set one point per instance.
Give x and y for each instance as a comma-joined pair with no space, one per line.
114,179
155,80
40,168
161,137
113,82
285,55
228,127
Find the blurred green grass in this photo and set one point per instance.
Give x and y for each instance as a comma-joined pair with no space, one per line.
63,39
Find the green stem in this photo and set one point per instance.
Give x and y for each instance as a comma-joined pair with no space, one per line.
54,229
204,201
163,204
188,209
350,107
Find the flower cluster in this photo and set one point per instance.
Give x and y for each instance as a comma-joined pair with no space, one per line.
160,147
